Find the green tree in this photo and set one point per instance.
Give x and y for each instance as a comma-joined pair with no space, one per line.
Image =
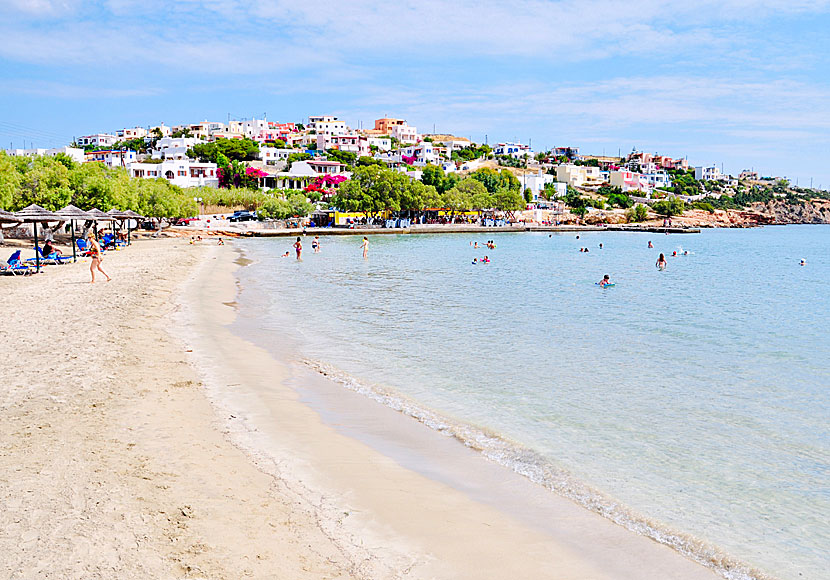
9,182
669,207
528,195
345,157
299,204
638,213
297,157
46,183
234,149
434,175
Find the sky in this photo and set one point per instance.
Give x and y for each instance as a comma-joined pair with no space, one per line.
737,83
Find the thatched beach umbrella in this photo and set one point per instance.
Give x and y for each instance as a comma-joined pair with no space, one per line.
73,213
118,215
6,218
131,215
99,216
34,214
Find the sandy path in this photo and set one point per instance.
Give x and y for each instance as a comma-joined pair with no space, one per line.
111,465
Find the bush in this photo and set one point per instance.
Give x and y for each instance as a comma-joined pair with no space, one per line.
638,213
670,207
704,206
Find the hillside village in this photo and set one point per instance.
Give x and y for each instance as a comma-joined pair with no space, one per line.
317,157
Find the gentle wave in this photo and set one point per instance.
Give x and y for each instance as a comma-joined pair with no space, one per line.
536,468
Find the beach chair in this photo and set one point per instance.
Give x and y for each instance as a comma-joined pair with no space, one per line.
83,247
15,266
53,258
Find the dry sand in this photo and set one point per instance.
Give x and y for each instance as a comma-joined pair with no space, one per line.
122,453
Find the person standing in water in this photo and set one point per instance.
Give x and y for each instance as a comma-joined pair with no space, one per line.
95,255
661,262
298,247
315,244
365,246
650,245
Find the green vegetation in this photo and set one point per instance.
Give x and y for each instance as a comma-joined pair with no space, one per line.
638,213
669,207
346,157
54,183
233,149
373,189
471,152
298,157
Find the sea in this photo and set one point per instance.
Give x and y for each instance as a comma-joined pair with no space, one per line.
691,404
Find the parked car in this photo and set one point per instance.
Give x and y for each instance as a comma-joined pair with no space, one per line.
243,216
185,221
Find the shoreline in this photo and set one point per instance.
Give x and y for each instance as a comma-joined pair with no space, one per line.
600,548
145,439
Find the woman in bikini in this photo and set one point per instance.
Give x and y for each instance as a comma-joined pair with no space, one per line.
96,257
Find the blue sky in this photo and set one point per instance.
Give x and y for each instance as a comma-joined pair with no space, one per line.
733,82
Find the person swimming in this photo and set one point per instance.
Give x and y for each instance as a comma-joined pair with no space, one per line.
661,262
650,245
476,245
674,254
803,262
606,280
475,261
486,260
600,245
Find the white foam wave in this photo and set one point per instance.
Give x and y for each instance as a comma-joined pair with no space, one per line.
538,469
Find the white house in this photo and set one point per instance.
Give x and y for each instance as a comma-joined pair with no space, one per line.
536,183
382,143
423,153
301,173
173,147
111,157
404,133
181,172
327,125
711,173
657,179
98,140
272,155
515,150
74,153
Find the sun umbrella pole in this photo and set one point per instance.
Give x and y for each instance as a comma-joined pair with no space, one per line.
37,251
72,229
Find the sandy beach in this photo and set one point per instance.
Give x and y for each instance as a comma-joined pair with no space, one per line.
143,439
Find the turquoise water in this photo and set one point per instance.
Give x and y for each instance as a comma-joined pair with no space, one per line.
693,400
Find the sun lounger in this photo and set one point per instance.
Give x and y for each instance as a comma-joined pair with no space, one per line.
14,265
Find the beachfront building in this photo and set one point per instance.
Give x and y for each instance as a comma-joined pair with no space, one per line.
181,172
97,140
173,147
578,175
515,150
73,153
327,125
303,173
710,173
274,155
541,182
111,157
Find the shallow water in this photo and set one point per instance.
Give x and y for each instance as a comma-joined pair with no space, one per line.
697,397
